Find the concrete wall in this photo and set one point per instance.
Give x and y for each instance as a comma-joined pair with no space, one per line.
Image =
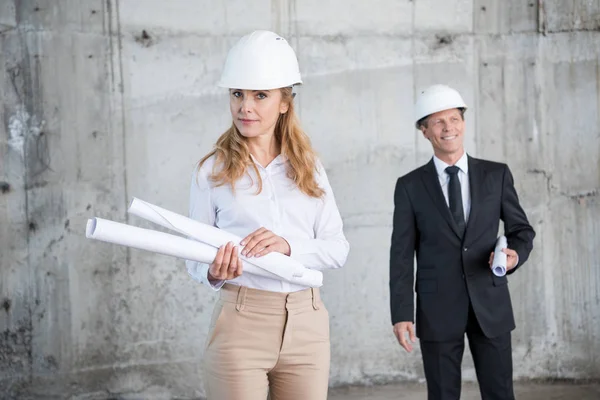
102,100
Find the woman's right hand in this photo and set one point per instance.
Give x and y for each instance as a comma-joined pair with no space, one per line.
227,265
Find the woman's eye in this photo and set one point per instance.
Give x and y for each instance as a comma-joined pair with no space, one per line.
261,96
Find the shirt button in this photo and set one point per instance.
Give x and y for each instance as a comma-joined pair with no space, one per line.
465,249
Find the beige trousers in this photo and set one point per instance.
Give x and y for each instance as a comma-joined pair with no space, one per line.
262,342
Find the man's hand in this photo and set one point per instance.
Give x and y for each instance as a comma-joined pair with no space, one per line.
511,258
263,241
401,329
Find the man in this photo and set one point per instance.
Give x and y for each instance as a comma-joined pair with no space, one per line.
448,213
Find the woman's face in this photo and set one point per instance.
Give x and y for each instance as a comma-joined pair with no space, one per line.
255,112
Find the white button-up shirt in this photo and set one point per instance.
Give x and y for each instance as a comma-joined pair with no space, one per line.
463,178
312,226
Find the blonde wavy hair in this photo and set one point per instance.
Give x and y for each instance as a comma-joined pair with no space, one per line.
233,156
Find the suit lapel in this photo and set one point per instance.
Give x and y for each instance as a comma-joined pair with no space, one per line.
476,180
432,184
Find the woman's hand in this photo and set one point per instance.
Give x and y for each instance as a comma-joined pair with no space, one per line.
263,241
227,265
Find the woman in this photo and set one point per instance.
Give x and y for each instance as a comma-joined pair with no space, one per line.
263,182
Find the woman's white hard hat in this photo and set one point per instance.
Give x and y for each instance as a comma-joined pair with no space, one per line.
261,60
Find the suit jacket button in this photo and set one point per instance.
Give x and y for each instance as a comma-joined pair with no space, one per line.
465,249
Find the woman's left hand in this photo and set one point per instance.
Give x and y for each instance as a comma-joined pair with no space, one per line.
263,241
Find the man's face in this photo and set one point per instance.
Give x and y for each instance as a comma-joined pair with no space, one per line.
445,131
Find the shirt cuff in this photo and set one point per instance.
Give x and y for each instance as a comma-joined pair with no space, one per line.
217,285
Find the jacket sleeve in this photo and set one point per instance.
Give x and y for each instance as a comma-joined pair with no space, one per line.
519,233
404,238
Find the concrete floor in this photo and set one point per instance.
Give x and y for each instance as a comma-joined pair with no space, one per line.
523,391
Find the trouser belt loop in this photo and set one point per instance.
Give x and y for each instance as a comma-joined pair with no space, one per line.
241,298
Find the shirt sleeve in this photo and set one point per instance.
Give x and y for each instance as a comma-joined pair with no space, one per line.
329,247
203,210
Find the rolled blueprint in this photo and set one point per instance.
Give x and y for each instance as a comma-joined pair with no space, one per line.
276,263
499,261
159,242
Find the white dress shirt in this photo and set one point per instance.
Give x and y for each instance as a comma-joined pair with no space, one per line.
463,177
312,226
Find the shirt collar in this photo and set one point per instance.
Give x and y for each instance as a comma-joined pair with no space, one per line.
280,159
462,163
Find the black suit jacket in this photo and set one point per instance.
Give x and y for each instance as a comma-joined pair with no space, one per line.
451,272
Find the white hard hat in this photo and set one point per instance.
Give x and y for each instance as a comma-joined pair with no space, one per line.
437,98
261,60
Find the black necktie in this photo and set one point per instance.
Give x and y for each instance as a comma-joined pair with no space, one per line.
455,199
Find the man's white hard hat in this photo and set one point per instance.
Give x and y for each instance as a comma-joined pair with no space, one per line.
437,98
